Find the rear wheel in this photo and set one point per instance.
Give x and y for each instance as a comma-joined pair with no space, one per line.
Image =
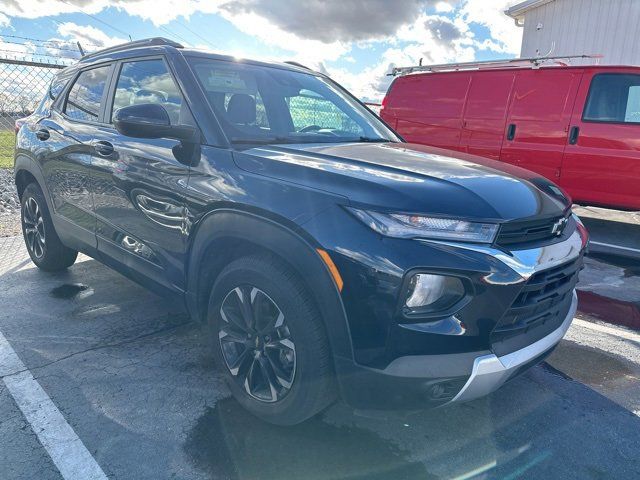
43,244
269,339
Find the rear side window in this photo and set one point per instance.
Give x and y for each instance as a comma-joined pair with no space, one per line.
148,81
83,101
613,98
57,86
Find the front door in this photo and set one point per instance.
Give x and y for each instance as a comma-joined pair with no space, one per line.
602,158
139,183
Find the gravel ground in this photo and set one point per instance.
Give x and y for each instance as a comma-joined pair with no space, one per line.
9,205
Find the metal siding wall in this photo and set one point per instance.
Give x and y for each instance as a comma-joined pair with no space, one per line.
609,27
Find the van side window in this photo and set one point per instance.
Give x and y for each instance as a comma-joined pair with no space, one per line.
83,101
148,81
614,98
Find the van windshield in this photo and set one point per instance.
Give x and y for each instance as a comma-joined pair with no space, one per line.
262,105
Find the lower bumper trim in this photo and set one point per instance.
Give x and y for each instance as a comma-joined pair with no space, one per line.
490,371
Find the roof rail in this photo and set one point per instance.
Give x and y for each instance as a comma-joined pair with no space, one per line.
533,62
297,64
147,42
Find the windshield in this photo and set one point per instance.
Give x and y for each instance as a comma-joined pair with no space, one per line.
258,104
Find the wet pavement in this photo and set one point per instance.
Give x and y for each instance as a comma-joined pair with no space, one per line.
134,377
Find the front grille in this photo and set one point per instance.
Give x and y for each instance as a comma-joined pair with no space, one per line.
539,309
526,231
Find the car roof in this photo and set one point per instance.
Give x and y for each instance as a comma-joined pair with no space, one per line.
159,45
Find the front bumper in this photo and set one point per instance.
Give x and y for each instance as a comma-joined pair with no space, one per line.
490,372
456,359
428,381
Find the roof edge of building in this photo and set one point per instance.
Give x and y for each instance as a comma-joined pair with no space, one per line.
518,10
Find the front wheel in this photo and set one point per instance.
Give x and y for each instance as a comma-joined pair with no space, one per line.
43,244
270,341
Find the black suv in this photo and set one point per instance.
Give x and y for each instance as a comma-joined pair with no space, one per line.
324,256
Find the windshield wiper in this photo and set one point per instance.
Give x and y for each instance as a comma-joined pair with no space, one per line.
373,140
260,140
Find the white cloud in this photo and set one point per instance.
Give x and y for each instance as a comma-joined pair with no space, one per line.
88,35
4,20
305,50
444,7
506,37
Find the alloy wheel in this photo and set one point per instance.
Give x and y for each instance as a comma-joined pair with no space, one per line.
256,344
34,227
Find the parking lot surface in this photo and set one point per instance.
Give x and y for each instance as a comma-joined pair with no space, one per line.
134,380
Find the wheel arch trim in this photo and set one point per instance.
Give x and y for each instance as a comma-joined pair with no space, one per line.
299,252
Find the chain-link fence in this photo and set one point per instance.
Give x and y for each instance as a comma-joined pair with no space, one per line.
22,86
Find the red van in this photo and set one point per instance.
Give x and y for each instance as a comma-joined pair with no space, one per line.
578,126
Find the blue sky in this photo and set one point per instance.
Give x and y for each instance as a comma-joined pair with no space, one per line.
355,41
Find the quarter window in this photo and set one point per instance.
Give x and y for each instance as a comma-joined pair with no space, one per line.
614,98
83,102
148,81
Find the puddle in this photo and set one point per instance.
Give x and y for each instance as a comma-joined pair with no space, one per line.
68,290
588,365
227,442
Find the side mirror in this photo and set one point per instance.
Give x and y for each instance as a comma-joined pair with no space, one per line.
150,120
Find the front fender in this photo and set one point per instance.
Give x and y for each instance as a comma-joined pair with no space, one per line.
283,241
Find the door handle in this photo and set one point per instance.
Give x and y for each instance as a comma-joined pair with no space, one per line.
511,131
43,134
573,135
102,148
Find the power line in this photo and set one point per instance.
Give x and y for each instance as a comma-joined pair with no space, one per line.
195,33
97,19
170,33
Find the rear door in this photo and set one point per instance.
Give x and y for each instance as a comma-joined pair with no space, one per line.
66,136
602,158
538,121
485,113
428,108
139,183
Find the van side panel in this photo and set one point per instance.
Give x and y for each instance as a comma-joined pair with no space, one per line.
539,119
485,113
428,108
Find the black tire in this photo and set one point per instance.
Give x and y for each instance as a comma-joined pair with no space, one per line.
312,386
43,244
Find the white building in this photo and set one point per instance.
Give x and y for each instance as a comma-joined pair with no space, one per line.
578,27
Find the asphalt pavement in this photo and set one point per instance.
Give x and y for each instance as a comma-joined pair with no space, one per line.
101,375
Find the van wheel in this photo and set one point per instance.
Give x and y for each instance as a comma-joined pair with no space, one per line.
270,341
43,244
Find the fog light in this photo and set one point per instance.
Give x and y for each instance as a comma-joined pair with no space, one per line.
435,291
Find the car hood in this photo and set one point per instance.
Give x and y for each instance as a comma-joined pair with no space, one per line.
410,178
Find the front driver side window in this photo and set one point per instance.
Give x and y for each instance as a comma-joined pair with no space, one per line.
148,81
614,98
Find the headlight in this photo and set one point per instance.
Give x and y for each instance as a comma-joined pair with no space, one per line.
403,225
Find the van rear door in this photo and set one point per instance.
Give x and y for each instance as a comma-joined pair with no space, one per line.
485,112
538,120
427,108
602,159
